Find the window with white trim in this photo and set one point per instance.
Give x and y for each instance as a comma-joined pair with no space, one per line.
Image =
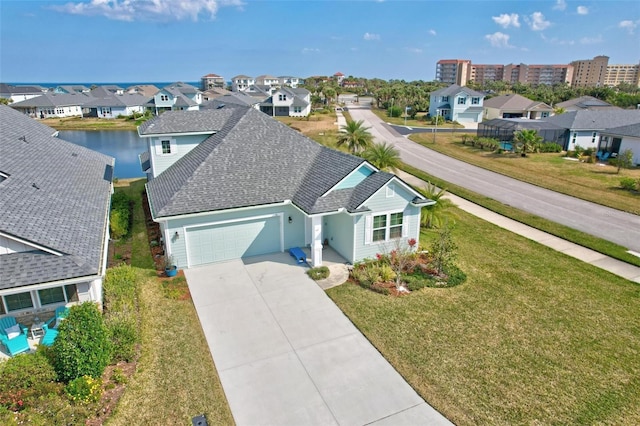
462,100
166,147
386,226
297,109
15,302
445,99
282,97
49,296
475,100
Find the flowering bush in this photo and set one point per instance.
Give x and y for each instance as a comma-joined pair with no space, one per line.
84,389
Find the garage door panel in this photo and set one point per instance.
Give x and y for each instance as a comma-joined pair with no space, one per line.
215,243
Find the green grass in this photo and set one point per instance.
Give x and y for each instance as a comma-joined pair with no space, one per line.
532,336
594,243
176,378
417,122
592,182
92,123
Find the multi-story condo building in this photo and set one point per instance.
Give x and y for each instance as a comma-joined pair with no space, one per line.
626,73
538,74
484,73
241,82
590,72
453,71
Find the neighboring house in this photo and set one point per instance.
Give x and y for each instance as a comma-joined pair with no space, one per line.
241,82
232,182
50,105
114,106
585,127
291,81
339,77
287,102
146,90
20,93
267,80
515,106
619,139
456,103
71,89
504,129
585,102
232,98
106,90
54,219
212,81
214,93
176,97
352,84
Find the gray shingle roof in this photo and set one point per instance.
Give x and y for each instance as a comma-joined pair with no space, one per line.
256,160
584,102
56,196
454,89
235,98
514,102
595,119
54,100
206,120
113,100
630,130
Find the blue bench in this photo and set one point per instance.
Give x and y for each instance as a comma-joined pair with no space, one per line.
299,255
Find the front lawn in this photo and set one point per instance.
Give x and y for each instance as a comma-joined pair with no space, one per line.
416,122
592,182
532,336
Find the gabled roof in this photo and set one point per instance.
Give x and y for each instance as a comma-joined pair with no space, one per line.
515,102
454,89
113,100
56,197
72,88
585,102
181,88
235,98
595,119
19,90
172,122
242,77
253,160
630,130
146,90
212,76
54,100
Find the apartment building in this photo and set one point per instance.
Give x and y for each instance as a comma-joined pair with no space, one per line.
626,73
590,72
453,71
212,81
461,71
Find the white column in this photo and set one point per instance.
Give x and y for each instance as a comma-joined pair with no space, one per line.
316,241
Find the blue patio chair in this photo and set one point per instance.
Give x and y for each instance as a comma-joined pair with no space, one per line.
51,326
605,156
16,343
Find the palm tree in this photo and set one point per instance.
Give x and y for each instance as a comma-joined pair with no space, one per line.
355,136
435,215
527,139
383,155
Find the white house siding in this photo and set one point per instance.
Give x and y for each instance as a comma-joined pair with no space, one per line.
293,232
8,245
583,138
380,203
59,112
629,142
183,144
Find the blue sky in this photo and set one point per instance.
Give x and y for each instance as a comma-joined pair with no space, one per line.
171,40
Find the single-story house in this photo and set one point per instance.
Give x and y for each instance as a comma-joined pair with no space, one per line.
146,90
457,103
113,105
50,105
54,219
585,102
20,93
619,139
515,106
584,127
504,129
233,182
71,89
232,98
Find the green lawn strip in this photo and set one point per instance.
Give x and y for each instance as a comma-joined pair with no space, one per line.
594,243
175,378
532,337
90,123
382,114
592,182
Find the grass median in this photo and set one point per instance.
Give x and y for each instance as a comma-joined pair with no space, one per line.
532,337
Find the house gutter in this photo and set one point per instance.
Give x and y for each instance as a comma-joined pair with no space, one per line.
200,214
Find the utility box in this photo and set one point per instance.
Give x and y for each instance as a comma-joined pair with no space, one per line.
200,420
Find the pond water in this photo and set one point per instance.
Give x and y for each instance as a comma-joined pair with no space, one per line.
124,146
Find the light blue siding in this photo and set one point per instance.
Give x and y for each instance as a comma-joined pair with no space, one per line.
355,178
293,232
183,145
379,203
339,233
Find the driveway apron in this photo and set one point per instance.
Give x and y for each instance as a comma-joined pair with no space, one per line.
286,355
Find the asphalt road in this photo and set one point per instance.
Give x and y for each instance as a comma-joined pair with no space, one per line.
604,222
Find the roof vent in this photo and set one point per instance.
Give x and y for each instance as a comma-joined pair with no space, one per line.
35,186
22,138
220,106
73,154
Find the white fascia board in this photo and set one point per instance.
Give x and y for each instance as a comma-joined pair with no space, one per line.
200,214
50,284
152,135
364,163
400,182
30,244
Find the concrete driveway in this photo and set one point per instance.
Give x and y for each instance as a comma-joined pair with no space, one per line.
286,355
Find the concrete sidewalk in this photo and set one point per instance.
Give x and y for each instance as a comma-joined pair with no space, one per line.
592,257
287,355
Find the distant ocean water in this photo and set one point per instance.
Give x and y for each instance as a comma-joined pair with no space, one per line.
124,85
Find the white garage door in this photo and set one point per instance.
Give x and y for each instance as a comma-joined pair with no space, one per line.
218,242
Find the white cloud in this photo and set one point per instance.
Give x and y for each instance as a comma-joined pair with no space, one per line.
507,20
537,22
582,10
629,26
154,10
413,50
371,36
591,40
310,50
498,39
557,41
560,5
432,32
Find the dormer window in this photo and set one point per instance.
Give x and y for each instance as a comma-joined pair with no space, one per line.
166,147
462,100
164,97
282,97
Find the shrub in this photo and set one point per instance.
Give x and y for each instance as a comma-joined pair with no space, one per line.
319,273
84,389
121,291
118,377
628,183
23,378
120,214
548,147
455,276
123,330
82,347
